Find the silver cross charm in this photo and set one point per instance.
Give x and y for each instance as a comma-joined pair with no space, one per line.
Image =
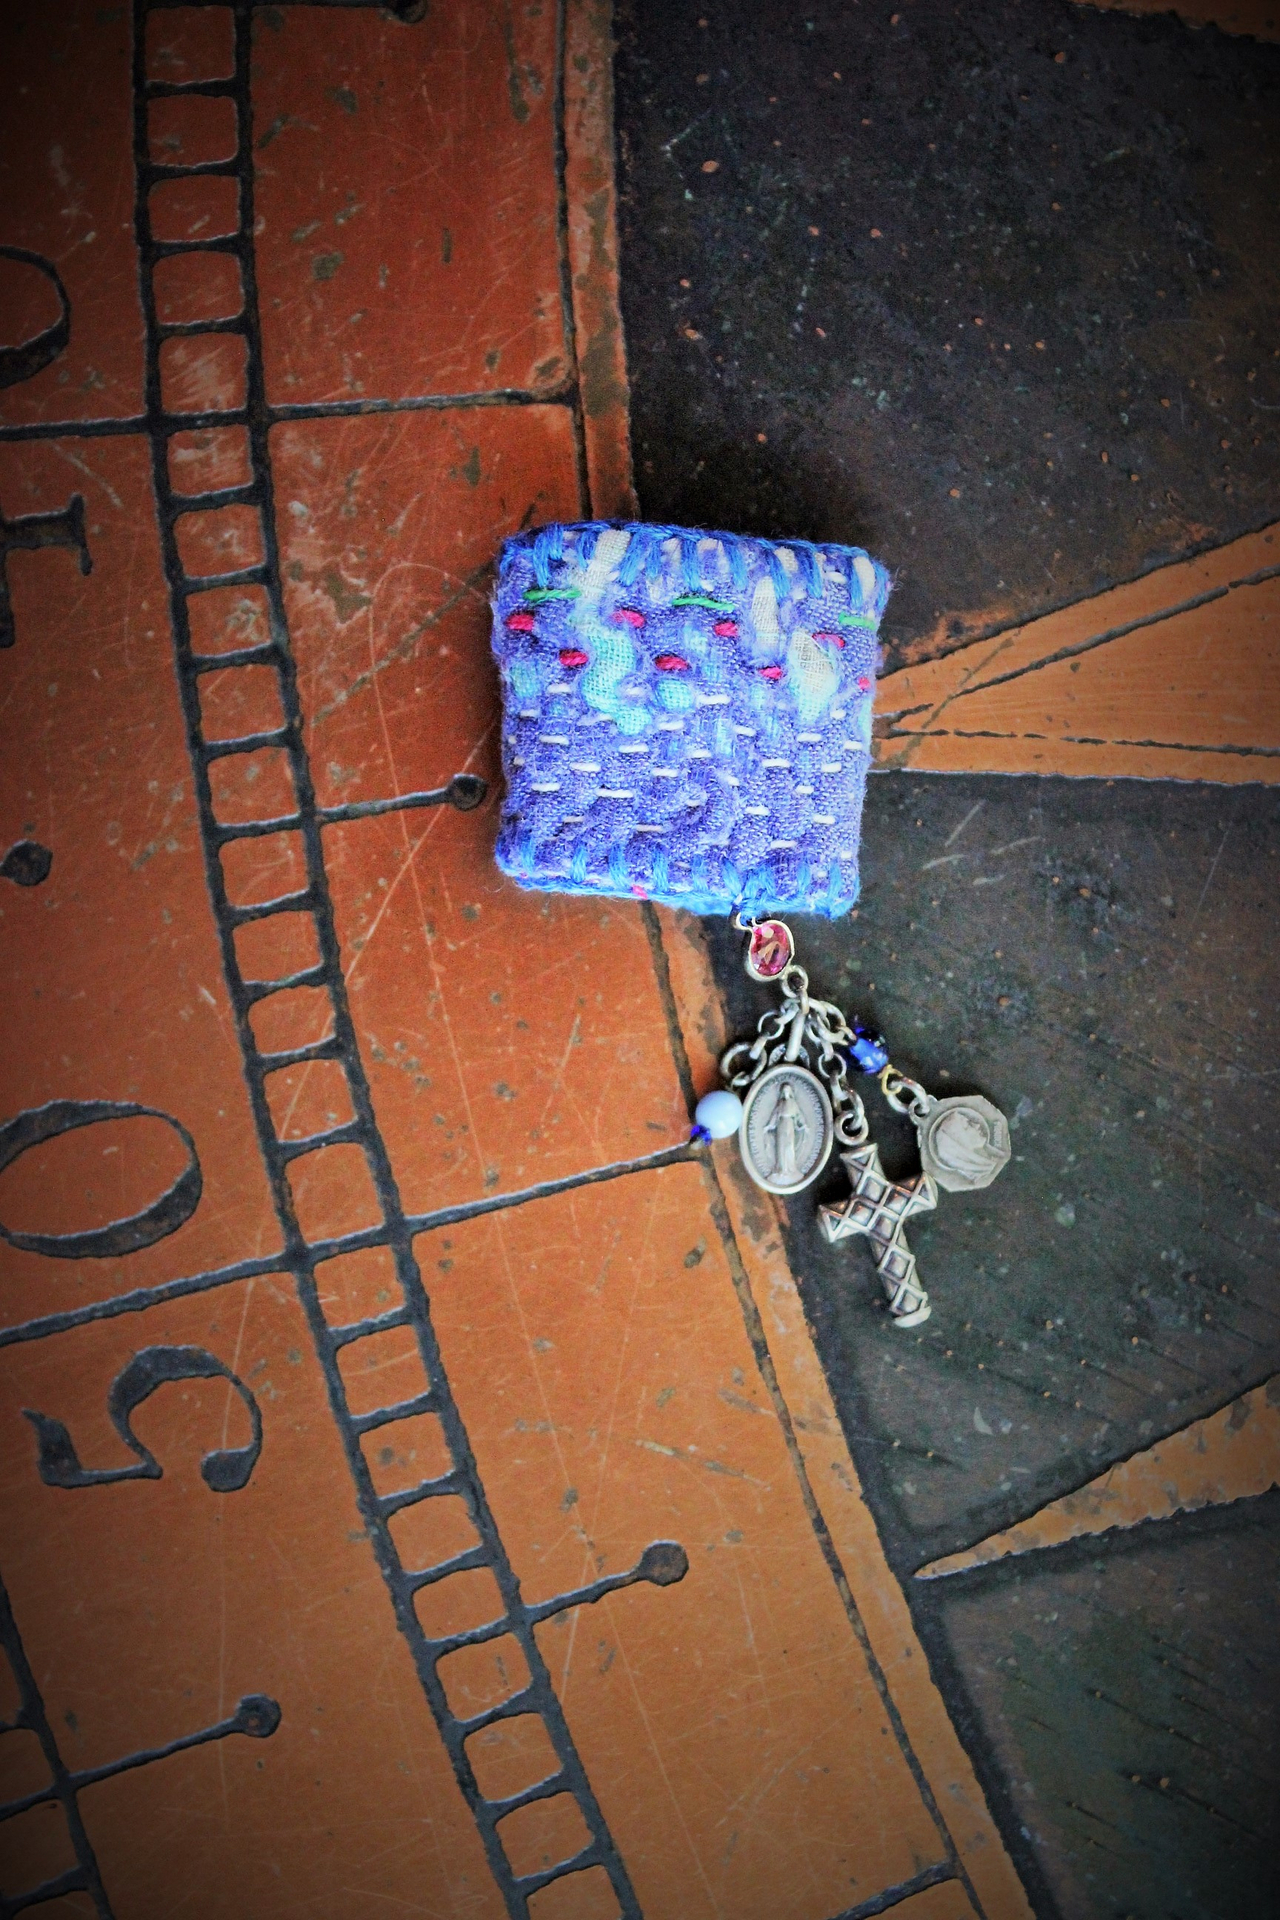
880,1207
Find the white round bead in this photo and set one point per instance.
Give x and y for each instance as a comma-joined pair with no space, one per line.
719,1112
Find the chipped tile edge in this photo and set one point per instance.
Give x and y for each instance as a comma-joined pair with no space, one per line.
592,239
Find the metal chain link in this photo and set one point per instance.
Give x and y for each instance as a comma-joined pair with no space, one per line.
815,1031
904,1095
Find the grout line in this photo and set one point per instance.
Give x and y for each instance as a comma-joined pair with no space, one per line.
140,1299
140,423
546,1189
567,319
894,1896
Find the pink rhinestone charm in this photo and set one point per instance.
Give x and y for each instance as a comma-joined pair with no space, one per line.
770,950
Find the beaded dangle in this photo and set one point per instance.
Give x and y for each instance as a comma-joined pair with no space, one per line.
788,1098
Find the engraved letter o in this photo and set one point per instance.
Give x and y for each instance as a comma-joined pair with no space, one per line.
164,1216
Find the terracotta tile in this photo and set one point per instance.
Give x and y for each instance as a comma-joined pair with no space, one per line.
1170,676
388,528
533,1044
356,1286
405,1454
208,458
113,971
197,286
382,1369
270,1590
23,1767
190,43
219,540
1232,1455
308,1100
37,1847
66,180
191,131
583,1896
478,1678
360,118
240,701
202,373
597,1348
295,1017
248,787
536,1837
226,618
202,209
333,1193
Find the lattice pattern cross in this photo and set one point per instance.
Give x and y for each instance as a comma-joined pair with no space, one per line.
879,1208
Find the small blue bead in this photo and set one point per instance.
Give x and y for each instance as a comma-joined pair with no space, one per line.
868,1050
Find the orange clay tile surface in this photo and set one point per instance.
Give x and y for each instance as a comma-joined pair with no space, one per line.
1172,676
405,186
317,1340
1233,1455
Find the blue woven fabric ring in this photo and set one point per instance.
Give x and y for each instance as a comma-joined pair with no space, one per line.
687,715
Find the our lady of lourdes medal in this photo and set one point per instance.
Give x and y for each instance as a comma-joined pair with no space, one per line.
787,1095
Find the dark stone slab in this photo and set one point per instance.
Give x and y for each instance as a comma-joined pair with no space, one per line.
1099,959
1129,1695
1105,185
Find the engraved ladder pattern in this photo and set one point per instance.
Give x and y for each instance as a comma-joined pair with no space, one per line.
663,1562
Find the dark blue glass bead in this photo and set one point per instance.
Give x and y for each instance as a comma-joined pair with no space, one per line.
868,1051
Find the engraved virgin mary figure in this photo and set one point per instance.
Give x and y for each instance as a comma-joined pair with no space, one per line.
788,1129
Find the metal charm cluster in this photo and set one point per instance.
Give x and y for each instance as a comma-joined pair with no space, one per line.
787,1095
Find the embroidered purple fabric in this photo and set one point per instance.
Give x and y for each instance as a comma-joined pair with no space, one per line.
686,715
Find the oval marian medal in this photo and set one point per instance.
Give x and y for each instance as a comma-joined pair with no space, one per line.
787,1129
